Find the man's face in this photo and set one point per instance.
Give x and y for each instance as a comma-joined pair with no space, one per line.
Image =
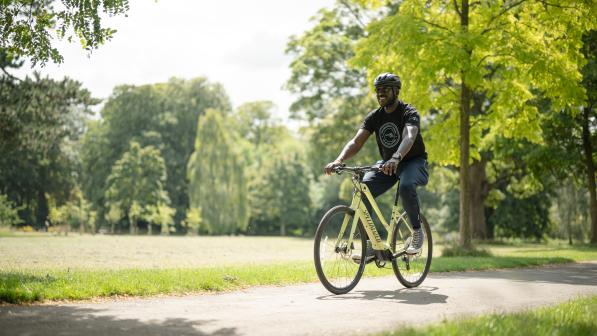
385,95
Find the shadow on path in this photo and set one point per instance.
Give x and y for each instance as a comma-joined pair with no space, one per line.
570,274
418,296
64,320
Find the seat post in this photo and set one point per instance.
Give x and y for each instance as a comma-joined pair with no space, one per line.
397,193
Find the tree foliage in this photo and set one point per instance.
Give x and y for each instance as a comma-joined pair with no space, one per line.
279,196
136,187
504,54
332,96
522,217
217,176
9,215
162,115
40,121
476,69
29,26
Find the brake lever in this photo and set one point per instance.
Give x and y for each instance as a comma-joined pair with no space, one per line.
338,170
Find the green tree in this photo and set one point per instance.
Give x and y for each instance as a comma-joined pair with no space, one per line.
75,213
475,66
522,217
332,97
279,197
194,222
568,214
319,71
162,115
41,120
9,213
255,123
136,186
161,215
278,184
217,175
29,26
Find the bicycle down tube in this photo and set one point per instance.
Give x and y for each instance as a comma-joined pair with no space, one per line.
361,212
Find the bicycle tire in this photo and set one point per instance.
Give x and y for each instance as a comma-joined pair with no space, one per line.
328,229
403,265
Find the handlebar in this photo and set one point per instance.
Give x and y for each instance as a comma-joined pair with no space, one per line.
356,170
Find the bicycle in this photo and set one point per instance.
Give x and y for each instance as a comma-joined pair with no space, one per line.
341,233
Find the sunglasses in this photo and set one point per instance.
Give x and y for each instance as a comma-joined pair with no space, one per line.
383,89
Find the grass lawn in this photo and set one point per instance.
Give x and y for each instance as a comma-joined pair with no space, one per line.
40,267
574,318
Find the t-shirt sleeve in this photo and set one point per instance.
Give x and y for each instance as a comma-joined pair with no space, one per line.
411,116
369,122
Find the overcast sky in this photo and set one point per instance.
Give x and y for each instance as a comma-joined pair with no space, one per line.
237,43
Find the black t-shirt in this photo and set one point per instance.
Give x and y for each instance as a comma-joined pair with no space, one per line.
388,129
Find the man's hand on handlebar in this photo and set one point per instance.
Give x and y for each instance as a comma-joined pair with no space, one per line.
390,166
330,167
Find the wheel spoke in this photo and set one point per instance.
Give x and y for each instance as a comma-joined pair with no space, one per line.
411,270
335,267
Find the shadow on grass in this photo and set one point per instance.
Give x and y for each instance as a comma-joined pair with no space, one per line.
422,295
65,320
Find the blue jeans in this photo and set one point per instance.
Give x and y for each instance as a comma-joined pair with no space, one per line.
411,173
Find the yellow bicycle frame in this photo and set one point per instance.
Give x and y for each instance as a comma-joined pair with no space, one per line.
361,213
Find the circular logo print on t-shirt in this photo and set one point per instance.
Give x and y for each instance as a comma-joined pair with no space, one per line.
388,134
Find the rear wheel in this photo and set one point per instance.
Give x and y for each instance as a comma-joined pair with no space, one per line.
336,269
411,270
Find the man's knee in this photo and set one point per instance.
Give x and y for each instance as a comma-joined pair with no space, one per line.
407,189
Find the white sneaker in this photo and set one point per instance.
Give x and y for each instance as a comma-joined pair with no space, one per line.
417,242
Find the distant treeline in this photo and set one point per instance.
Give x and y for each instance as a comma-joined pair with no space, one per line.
175,157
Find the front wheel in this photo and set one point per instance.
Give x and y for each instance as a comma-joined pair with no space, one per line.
334,263
411,270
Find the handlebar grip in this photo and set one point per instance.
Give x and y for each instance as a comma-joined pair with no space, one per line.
338,169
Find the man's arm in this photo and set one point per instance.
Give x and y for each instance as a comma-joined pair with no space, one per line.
349,150
409,134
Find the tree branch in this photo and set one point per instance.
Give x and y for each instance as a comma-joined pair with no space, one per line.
490,55
354,13
456,7
547,4
9,75
434,24
502,12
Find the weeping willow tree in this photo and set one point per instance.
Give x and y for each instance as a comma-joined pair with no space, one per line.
216,174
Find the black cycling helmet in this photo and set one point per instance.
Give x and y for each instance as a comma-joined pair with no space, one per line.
388,79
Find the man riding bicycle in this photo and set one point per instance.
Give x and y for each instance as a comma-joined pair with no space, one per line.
397,131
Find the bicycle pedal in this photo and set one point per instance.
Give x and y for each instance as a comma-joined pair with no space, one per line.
380,264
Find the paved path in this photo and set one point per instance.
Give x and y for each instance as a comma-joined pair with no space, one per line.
374,305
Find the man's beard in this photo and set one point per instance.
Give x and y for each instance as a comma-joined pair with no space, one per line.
390,102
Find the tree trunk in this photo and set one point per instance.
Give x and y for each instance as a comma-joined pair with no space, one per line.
588,149
465,111
42,211
82,222
479,189
569,211
132,222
